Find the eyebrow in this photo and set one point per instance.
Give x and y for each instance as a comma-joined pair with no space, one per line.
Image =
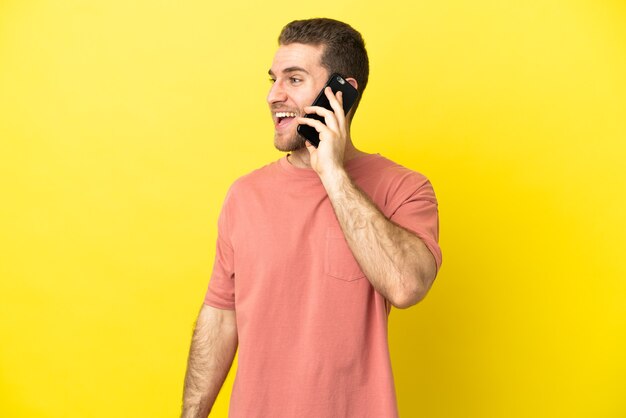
289,70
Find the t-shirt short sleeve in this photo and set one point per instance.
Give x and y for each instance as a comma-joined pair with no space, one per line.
417,211
221,291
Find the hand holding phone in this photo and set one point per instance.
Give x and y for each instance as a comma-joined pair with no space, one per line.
349,95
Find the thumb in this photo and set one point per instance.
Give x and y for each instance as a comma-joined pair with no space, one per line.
310,147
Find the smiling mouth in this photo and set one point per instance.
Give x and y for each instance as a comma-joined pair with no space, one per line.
284,118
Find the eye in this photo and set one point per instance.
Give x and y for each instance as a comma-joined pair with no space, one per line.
271,80
295,80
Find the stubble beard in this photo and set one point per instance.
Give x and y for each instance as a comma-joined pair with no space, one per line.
292,143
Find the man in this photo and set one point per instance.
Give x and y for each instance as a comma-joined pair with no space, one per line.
312,251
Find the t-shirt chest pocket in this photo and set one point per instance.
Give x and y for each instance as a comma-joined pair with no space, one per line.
339,261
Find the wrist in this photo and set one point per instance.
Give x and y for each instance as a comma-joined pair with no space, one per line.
335,180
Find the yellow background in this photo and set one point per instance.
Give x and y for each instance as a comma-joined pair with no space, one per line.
122,123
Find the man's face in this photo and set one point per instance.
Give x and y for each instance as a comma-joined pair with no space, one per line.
298,78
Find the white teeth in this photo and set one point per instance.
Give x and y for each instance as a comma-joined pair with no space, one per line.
285,115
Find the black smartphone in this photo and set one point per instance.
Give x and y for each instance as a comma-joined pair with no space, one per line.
336,83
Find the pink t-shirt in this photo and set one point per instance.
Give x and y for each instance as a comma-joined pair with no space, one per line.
312,330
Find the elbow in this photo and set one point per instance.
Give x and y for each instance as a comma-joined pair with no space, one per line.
412,292
406,299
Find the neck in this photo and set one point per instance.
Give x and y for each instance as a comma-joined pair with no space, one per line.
301,158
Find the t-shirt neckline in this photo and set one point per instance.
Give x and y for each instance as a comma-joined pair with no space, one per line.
350,165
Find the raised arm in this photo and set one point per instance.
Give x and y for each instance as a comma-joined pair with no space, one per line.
213,348
395,261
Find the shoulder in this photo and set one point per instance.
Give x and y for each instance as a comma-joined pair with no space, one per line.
255,179
396,177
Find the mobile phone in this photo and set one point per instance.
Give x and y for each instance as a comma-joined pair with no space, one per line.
336,83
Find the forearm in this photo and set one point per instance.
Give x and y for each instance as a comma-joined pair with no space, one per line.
213,348
395,261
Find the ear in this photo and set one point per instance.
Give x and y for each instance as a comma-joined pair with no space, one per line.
353,82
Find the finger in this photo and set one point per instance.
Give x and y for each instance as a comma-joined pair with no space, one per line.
319,126
329,117
336,102
318,110
342,115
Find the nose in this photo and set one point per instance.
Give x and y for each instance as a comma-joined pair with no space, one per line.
276,94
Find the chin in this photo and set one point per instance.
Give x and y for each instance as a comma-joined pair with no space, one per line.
292,143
